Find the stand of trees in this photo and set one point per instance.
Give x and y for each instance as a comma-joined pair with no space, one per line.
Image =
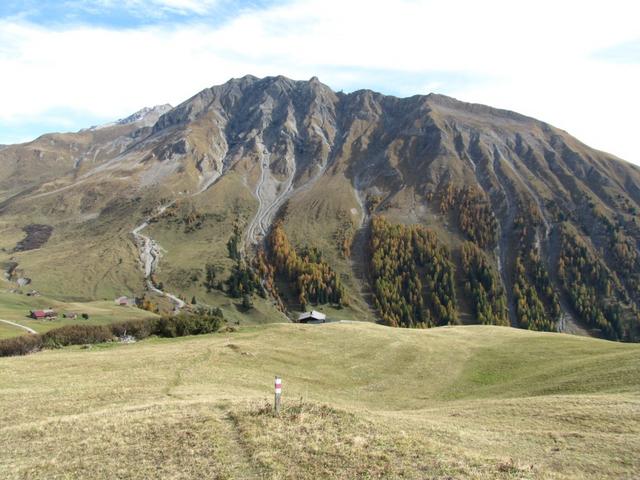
473,213
530,309
588,284
625,258
483,286
344,233
267,273
243,280
412,276
537,303
309,275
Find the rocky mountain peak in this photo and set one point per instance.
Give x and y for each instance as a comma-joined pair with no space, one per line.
147,116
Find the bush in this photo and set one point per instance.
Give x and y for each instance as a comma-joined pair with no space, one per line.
20,345
184,324
139,329
203,321
77,335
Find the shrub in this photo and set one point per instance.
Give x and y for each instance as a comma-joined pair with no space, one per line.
247,302
77,335
21,345
139,329
204,321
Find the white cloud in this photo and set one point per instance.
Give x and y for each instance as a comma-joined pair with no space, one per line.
197,6
153,8
536,58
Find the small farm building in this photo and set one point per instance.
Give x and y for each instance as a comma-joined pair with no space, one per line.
124,301
312,317
42,314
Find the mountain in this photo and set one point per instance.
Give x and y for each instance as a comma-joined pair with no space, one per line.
415,211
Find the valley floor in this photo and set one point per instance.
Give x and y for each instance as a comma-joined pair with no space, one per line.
360,401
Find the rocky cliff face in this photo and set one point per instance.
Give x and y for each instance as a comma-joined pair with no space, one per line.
537,203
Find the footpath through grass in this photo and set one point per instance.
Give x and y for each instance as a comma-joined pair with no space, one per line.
360,401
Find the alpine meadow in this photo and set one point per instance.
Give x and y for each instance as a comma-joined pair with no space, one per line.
277,279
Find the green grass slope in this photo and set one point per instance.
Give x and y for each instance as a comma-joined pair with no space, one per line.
360,401
15,308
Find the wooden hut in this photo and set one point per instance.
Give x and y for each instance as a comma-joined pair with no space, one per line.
312,317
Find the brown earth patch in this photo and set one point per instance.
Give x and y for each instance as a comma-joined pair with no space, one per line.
37,236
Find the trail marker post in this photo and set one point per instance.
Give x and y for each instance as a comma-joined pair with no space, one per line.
278,393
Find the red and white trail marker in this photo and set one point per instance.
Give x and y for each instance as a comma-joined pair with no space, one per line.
278,393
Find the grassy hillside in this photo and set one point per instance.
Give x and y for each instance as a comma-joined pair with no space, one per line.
360,401
15,308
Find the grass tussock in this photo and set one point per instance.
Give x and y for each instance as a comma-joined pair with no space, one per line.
133,444
308,440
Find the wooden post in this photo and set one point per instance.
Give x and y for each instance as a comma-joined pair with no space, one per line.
278,393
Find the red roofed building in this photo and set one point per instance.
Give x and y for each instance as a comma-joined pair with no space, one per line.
41,314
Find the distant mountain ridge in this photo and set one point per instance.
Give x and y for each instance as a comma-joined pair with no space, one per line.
532,227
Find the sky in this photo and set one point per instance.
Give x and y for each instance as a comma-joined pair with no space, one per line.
70,64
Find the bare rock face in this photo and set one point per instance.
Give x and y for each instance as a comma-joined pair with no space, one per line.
423,159
147,116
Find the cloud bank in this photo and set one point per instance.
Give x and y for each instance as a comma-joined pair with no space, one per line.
572,64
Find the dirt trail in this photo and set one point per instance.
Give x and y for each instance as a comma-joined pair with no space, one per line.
240,458
30,330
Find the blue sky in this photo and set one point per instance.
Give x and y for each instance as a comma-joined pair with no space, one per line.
126,14
69,64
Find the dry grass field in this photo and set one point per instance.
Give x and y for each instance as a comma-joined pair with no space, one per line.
360,401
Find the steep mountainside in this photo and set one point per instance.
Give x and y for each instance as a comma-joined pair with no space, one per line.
292,194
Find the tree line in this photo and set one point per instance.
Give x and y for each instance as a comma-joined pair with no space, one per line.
537,303
589,286
483,286
412,275
473,213
307,272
